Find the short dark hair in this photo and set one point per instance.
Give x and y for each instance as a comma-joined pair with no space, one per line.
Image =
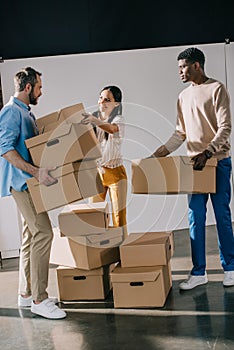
192,54
25,76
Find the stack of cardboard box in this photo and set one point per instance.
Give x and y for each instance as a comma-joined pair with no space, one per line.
143,279
70,149
85,245
85,248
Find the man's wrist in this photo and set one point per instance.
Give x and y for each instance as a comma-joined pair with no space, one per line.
208,154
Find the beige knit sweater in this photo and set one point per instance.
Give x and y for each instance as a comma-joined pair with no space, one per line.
203,120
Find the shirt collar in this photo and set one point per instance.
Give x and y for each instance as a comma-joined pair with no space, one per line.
20,103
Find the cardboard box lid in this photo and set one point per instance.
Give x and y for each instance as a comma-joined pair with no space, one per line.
144,239
135,274
72,113
71,271
85,208
185,159
50,137
47,119
62,114
110,234
111,237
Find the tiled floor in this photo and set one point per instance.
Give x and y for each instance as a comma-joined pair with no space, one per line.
202,318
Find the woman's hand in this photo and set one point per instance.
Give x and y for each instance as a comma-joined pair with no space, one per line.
107,127
88,118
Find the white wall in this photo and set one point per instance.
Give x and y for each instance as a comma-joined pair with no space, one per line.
10,228
150,84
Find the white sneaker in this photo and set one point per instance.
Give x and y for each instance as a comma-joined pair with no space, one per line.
228,279
27,302
47,309
193,281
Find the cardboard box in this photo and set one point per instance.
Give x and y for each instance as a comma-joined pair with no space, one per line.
141,287
48,122
146,249
77,284
65,144
67,252
83,219
75,181
169,234
109,237
172,175
51,121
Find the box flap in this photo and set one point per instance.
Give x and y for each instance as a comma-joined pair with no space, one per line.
49,127
137,162
72,272
36,140
135,274
47,119
72,114
49,136
185,159
86,208
63,129
147,238
60,115
110,234
109,238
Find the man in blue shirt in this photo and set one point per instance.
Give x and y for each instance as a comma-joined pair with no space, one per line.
17,124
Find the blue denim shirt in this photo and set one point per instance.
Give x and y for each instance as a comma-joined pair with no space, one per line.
17,124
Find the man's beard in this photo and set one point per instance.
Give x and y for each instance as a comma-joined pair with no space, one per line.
32,98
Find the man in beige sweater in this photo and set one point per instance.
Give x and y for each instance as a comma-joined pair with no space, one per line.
204,121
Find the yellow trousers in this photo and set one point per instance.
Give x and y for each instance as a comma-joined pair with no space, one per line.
115,181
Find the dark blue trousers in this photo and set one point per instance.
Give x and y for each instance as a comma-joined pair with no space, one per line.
197,221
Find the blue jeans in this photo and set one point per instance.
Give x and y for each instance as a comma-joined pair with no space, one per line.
197,221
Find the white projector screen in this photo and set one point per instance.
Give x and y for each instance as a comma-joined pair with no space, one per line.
150,84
